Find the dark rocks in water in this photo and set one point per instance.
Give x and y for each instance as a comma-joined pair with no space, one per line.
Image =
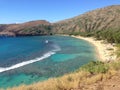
7,34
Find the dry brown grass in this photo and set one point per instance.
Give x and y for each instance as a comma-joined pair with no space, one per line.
66,82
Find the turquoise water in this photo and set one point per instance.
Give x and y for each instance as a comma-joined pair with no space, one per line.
68,54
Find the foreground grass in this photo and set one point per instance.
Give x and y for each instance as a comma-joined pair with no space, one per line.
93,72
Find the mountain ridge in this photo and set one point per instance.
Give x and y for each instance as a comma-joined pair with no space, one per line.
99,19
24,28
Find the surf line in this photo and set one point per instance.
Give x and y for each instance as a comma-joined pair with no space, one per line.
46,55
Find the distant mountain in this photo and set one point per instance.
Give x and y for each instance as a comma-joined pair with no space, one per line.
99,19
40,27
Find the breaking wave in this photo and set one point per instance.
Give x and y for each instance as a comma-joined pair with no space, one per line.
44,56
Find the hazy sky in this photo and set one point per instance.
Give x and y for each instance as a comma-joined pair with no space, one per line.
12,11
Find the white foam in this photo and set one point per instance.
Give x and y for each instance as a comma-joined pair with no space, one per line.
27,62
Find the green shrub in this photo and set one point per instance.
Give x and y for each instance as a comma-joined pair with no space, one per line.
115,65
110,35
95,67
118,50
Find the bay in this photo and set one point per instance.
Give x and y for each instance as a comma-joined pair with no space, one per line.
62,55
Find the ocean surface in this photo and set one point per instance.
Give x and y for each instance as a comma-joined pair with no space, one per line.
26,60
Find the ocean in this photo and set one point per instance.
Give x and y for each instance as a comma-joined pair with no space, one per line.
26,60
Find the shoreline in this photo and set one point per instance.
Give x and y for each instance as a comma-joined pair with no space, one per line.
105,51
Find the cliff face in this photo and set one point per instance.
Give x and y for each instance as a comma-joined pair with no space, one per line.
99,19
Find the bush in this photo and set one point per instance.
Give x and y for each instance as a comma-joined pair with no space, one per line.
118,50
110,35
95,67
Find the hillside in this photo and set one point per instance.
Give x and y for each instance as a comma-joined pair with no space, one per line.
39,27
99,19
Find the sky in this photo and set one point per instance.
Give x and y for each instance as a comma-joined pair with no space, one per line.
19,11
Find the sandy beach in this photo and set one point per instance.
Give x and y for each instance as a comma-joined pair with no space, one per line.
105,51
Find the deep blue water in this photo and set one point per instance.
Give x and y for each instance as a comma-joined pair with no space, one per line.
68,54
